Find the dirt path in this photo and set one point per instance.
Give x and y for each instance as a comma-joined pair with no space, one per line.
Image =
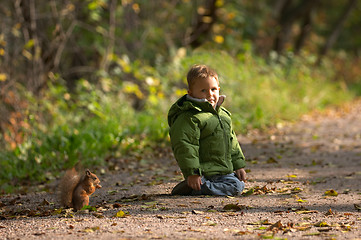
291,169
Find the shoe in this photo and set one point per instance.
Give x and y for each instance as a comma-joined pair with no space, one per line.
182,188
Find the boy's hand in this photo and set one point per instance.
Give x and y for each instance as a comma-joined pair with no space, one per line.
241,174
194,181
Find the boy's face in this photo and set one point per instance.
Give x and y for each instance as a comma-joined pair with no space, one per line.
205,88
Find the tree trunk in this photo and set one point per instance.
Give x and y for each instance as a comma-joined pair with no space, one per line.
336,30
305,30
288,15
203,25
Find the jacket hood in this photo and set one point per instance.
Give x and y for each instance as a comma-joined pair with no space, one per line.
187,102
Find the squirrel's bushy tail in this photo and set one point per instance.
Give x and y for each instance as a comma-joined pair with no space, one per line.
67,186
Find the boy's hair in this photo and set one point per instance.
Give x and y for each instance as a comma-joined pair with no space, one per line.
200,72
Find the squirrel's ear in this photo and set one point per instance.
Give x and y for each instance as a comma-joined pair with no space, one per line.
87,172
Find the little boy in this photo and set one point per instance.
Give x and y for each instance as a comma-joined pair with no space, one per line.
203,142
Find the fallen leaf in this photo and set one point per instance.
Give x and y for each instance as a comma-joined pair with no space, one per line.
312,234
57,211
120,214
91,229
182,205
302,210
296,190
306,211
243,233
90,208
209,223
98,215
302,228
261,222
331,193
151,203
346,191
321,224
112,192
44,202
324,229
231,197
196,230
197,212
357,207
233,207
329,212
266,236
117,205
278,225
39,233
249,192
271,160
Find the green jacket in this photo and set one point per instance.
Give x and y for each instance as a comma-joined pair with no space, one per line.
202,139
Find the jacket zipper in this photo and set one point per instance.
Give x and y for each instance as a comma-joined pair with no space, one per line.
225,138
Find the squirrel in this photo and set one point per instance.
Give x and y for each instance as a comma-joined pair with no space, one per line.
75,190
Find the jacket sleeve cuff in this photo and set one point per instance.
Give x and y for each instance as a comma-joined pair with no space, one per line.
191,171
239,164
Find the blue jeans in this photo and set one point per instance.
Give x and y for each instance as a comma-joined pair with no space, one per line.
221,185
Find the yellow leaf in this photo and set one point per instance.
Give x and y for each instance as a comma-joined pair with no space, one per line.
218,39
292,176
27,54
306,211
331,193
322,224
136,7
249,192
57,211
207,19
219,3
3,77
29,44
296,190
180,92
120,214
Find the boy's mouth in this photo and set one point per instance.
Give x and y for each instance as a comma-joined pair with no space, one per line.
212,102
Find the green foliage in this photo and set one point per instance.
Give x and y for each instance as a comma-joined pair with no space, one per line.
83,127
260,94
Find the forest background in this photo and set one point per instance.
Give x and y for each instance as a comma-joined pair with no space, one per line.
89,81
